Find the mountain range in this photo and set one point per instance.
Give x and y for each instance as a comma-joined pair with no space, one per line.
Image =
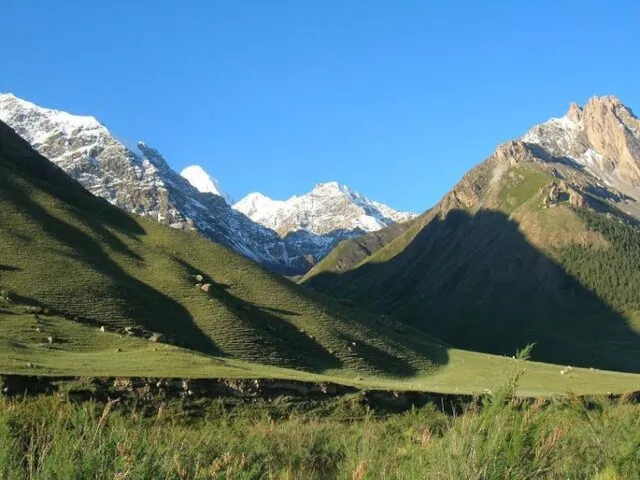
138,179
539,243
100,282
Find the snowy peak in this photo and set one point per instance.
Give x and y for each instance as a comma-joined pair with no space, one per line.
203,182
328,208
256,204
38,123
329,189
287,236
603,137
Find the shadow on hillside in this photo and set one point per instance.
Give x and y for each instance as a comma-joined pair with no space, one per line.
479,284
8,268
380,361
280,338
121,299
18,155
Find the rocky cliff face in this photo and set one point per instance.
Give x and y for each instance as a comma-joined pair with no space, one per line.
588,158
601,143
138,179
593,151
539,244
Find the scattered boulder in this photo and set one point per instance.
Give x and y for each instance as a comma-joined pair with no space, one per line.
103,329
206,287
576,199
157,338
50,340
554,194
199,278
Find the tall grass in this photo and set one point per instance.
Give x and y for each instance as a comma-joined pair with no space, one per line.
50,438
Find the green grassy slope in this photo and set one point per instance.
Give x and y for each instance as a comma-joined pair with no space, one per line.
349,253
69,251
89,264
82,350
513,270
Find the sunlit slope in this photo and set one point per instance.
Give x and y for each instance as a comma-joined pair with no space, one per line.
82,350
512,255
93,264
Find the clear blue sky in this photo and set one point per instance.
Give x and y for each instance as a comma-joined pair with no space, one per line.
395,99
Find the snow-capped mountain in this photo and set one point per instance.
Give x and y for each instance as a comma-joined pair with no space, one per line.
203,182
138,179
601,141
328,208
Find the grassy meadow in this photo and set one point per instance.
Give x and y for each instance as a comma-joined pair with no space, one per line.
500,437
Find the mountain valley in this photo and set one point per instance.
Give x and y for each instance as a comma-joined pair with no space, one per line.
139,180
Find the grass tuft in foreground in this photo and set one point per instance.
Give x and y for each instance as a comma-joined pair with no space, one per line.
500,437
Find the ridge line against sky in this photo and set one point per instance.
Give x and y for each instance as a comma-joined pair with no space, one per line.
395,101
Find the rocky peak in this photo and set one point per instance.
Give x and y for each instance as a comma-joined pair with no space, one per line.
575,113
38,125
329,188
603,137
154,157
515,151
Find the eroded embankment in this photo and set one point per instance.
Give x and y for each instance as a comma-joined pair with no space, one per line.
241,390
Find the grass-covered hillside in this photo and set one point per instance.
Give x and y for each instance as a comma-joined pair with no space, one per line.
86,262
513,255
71,263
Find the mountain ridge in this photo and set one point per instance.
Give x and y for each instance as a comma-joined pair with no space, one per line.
562,146
514,245
327,207
88,267
139,179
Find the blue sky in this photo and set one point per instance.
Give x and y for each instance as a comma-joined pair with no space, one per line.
395,99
